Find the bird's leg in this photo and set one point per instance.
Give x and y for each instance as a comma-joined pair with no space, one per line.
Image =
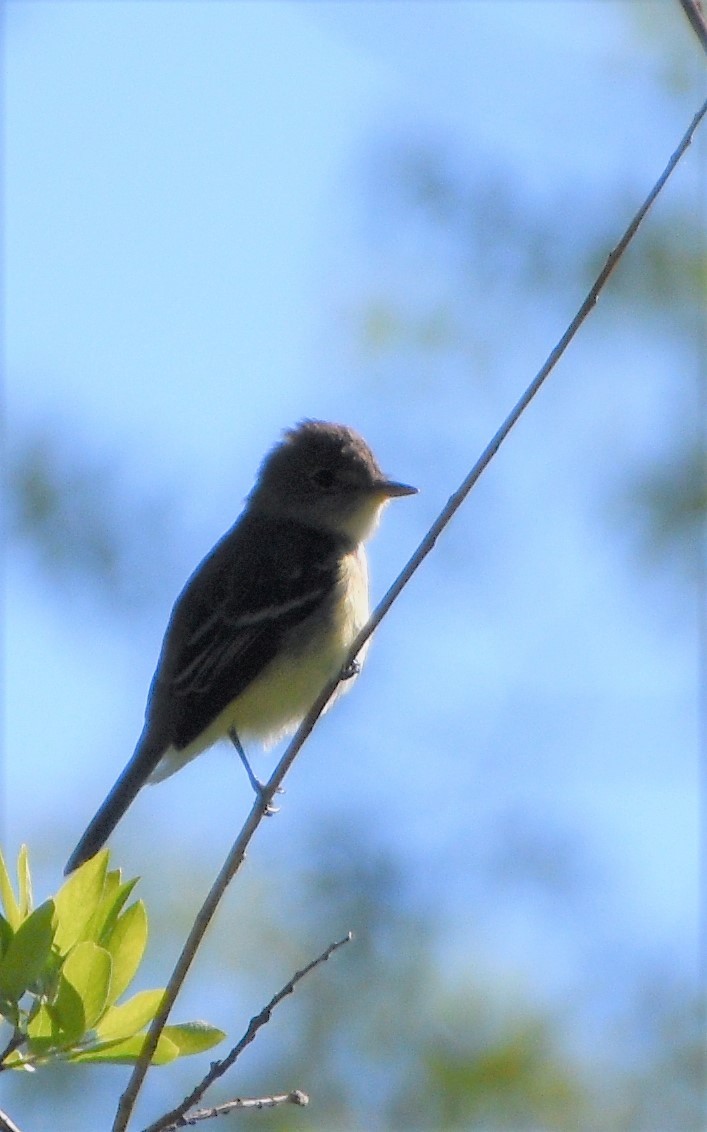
351,670
258,787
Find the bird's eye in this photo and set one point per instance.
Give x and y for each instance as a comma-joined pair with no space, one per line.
324,477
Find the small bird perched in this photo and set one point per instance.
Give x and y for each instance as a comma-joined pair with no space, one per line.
266,620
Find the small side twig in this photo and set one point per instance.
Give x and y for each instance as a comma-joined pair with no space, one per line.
16,1040
218,1068
237,853
693,11
295,1097
7,1125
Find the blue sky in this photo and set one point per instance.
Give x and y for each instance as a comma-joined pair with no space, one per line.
183,251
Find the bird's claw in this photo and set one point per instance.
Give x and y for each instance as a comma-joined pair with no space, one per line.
268,808
352,669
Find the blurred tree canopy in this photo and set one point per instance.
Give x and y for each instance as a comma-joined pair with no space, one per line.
413,1045
467,238
69,511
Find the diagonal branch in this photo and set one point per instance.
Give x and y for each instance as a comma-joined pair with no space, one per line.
693,11
218,1068
238,849
16,1040
7,1125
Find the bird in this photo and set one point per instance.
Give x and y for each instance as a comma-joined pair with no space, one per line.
267,618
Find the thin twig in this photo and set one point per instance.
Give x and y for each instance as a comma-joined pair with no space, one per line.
694,13
218,1068
295,1097
16,1040
238,849
7,1125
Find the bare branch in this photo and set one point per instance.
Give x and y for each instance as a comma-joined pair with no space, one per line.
16,1040
237,853
218,1068
295,1097
694,13
7,1125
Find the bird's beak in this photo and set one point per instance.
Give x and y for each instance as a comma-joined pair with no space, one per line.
390,489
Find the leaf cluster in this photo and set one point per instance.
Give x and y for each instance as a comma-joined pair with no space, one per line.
65,964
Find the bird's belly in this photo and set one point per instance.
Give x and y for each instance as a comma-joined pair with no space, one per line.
277,700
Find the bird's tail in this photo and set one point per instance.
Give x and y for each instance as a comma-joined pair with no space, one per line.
146,757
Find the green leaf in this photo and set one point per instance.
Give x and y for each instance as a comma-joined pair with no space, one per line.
68,1011
6,934
114,897
7,897
9,1013
128,1051
15,1060
85,975
25,882
102,910
43,1031
27,953
125,1020
193,1037
77,901
126,945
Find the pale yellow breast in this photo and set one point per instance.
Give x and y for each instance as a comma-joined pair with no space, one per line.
276,702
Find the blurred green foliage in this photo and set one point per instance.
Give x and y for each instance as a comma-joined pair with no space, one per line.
83,527
392,1035
459,231
387,1036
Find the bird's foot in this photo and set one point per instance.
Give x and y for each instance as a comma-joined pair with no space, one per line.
259,788
268,809
261,791
350,670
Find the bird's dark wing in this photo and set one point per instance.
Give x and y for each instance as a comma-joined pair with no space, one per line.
260,581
